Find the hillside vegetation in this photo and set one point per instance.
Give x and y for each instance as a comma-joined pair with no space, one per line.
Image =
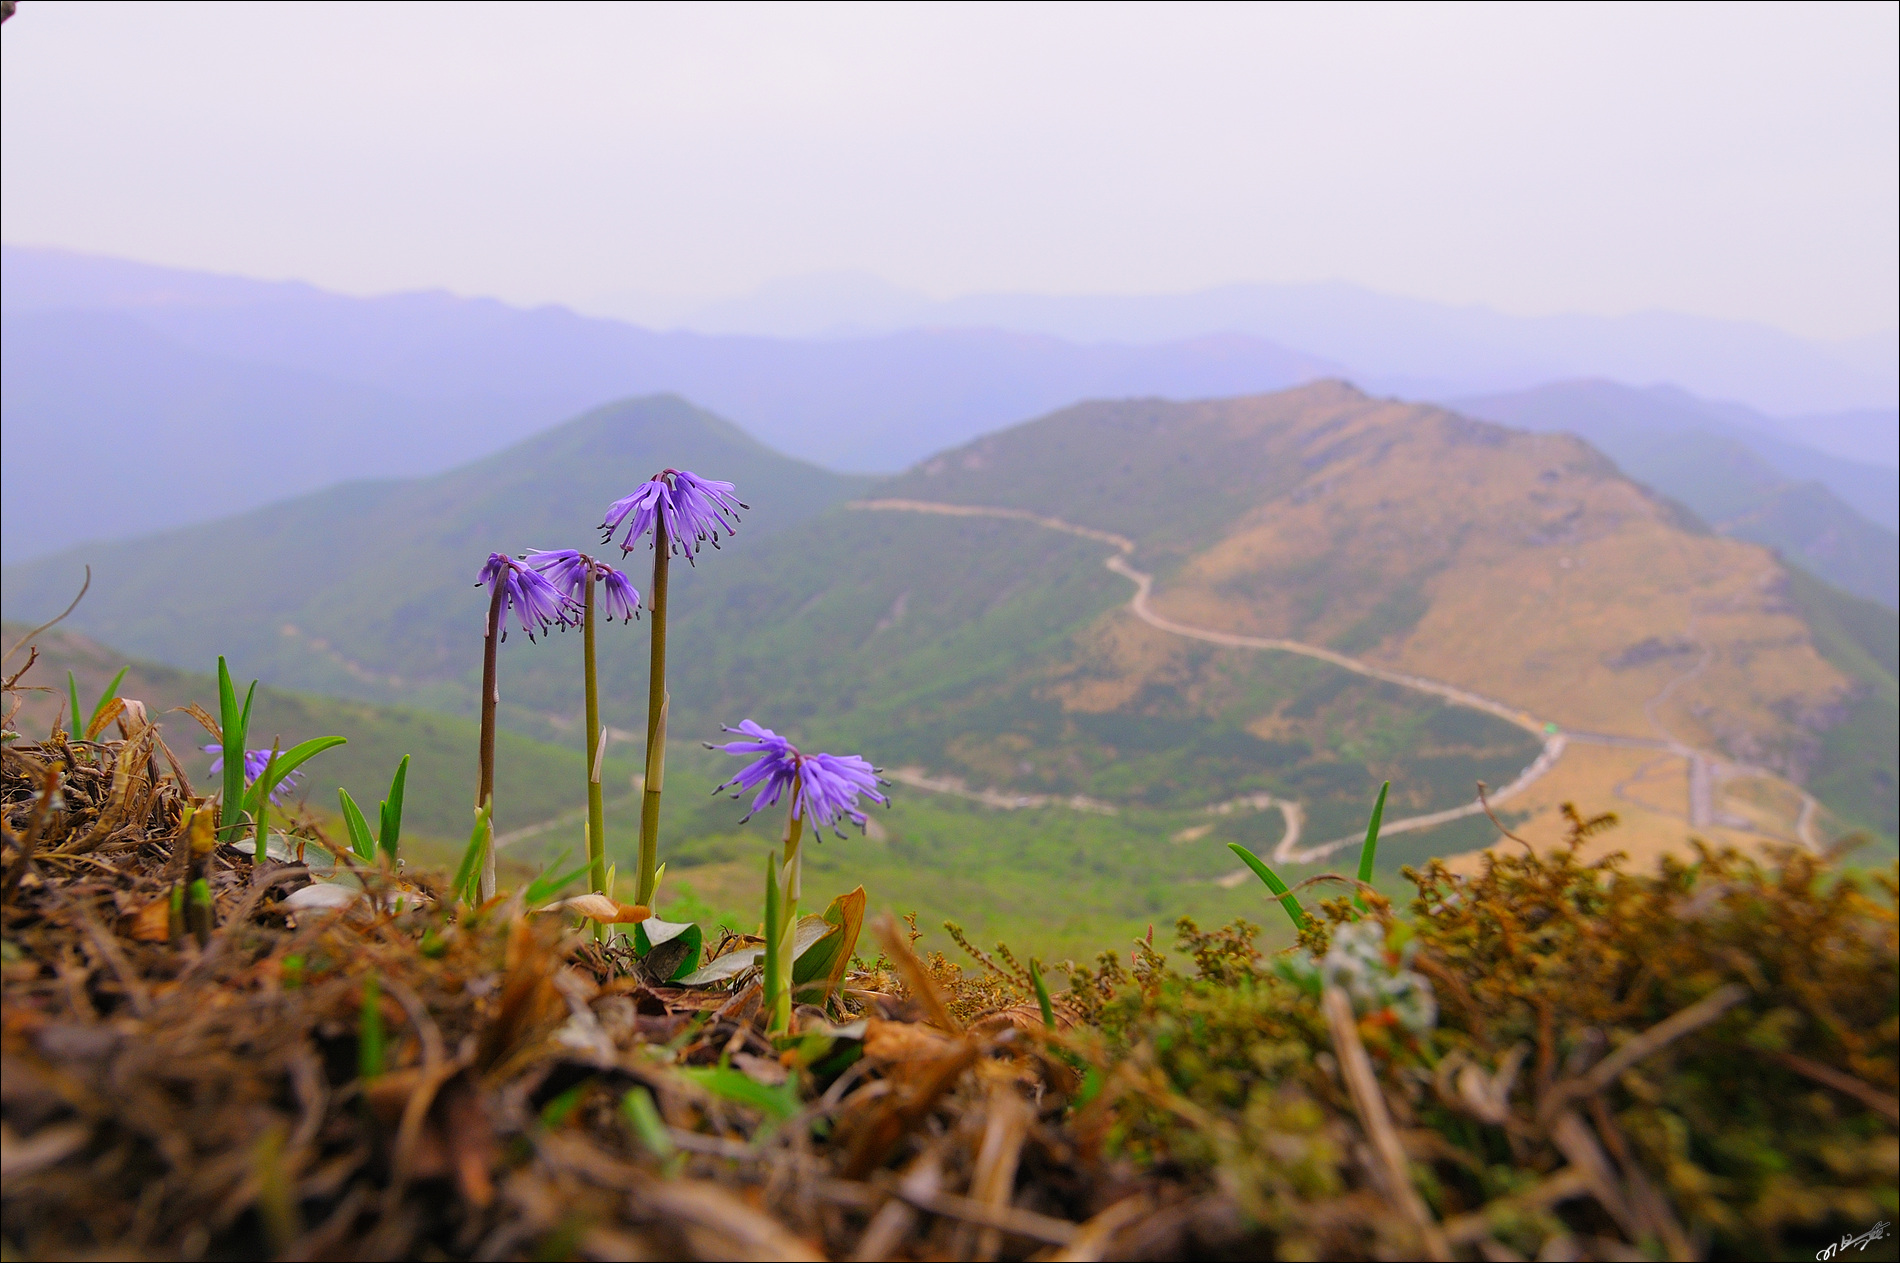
537,780
994,667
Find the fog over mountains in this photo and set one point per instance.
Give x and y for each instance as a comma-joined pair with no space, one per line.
194,395
1394,345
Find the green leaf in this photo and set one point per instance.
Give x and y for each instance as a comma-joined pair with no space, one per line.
1371,848
562,1107
814,946
776,1103
232,724
830,956
1278,887
470,869
112,691
75,728
392,809
550,883
1042,995
730,965
288,762
360,840
652,932
774,985
244,720
646,1122
811,944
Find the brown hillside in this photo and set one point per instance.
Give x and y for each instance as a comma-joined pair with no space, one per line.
1523,566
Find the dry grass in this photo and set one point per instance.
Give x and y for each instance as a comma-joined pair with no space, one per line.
1696,1062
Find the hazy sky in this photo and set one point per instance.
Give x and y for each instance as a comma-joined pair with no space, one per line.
1729,161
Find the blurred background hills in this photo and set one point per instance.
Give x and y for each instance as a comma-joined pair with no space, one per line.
286,388
1042,731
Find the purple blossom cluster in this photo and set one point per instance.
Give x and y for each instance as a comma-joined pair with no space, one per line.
691,509
567,570
828,785
537,603
255,761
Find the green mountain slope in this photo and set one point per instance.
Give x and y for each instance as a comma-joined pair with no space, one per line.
983,659
368,589
1857,771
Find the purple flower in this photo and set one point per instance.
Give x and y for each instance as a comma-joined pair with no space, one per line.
828,784
567,571
692,509
537,603
255,761
623,601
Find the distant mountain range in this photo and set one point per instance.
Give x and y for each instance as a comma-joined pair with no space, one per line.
1002,653
1394,345
137,397
193,395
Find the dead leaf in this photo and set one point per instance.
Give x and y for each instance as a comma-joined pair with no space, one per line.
904,1041
197,712
150,924
598,907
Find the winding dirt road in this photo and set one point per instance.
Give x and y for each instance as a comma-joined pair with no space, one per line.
1702,765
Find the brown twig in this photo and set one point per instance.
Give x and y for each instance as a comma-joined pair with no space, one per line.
43,626
1883,1103
916,977
1671,1028
1008,1219
1369,1102
1492,816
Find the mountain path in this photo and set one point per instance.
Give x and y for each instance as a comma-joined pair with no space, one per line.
1288,850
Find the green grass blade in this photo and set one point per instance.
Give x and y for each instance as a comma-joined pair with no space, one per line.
1370,850
260,811
1274,884
776,1103
392,809
112,691
244,720
75,728
1042,995
646,1122
288,762
231,724
773,983
360,840
551,882
470,868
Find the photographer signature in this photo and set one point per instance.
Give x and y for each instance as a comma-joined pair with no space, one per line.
1876,1233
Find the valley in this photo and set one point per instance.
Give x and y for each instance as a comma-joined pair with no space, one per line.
1095,648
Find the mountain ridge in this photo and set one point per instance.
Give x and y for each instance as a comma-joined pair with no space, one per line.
946,645
1833,517
1395,343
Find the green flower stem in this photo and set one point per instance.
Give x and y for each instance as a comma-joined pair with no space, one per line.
491,695
789,884
596,814
656,724
774,975
263,809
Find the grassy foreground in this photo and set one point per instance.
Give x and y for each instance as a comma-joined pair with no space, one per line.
1545,1059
